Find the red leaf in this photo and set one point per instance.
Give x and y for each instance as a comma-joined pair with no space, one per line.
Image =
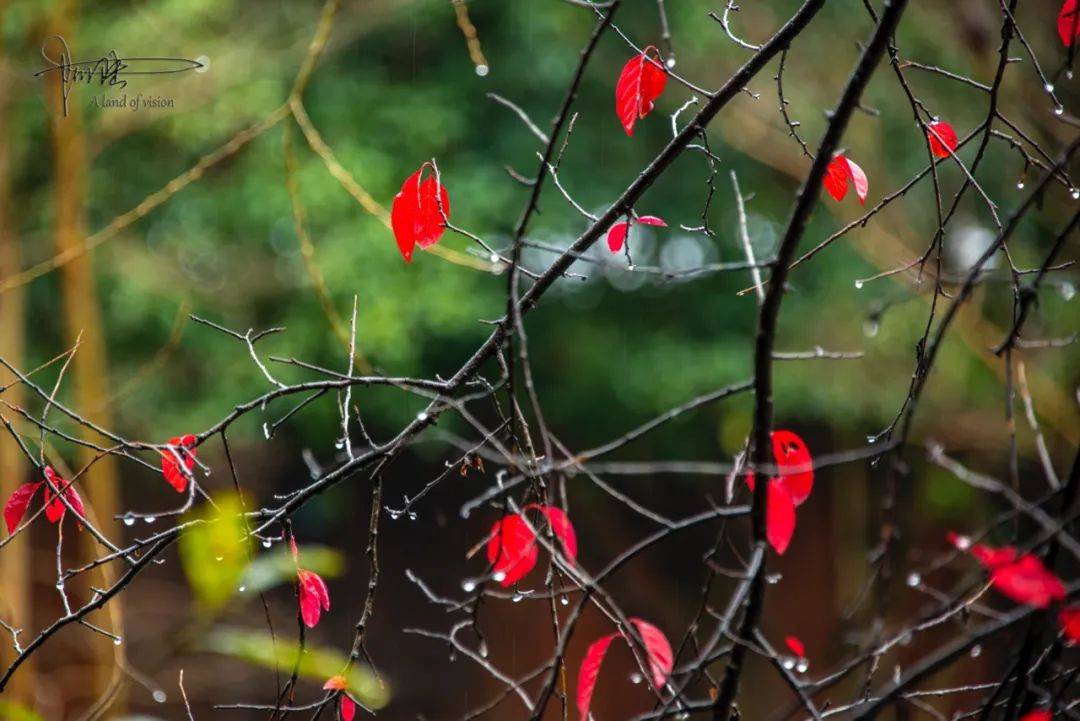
511,550
314,597
839,171
54,507
335,683
795,465
992,558
779,516
1028,581
589,671
562,528
942,138
348,708
417,213
178,461
1039,714
15,508
616,236
1069,618
661,658
1068,24
640,83
796,646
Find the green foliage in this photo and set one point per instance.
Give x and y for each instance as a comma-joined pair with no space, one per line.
269,569
214,553
280,654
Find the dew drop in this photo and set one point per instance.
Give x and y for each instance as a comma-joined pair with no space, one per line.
1059,110
773,578
871,439
802,666
670,62
412,515
493,259
339,444
421,416
482,70
150,519
1068,291
394,515
871,328
1049,87
858,285
564,600
499,576
1075,193
636,678
963,543
913,580
630,267
517,598
242,589
266,430
129,521
483,649
117,641
468,586
267,543
160,696
219,558
906,639
789,663
976,650
1069,74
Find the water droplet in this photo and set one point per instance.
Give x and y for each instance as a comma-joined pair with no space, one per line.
129,521
1068,74
394,515
421,416
493,259
482,70
483,649
266,430
1049,87
896,674
789,663
802,666
871,439
117,641
267,543
204,65
1059,110
913,580
412,515
670,62
963,543
976,650
339,444
773,578
636,678
858,285
242,589
564,600
60,585
160,696
871,328
906,639
517,598
1075,193
1068,291
219,558
150,519
468,586
499,576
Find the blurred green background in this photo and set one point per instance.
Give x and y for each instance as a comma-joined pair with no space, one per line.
396,87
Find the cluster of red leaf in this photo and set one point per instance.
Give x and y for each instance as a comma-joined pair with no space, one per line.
840,170
178,461
1024,578
420,212
788,490
942,137
657,648
512,549
346,706
616,235
311,590
15,507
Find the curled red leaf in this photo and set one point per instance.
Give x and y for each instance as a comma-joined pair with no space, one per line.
347,707
1068,23
561,528
640,83
661,659
419,213
1039,714
796,646
590,671
54,506
1028,581
795,464
314,596
942,138
839,172
15,507
991,557
511,549
178,461
779,516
